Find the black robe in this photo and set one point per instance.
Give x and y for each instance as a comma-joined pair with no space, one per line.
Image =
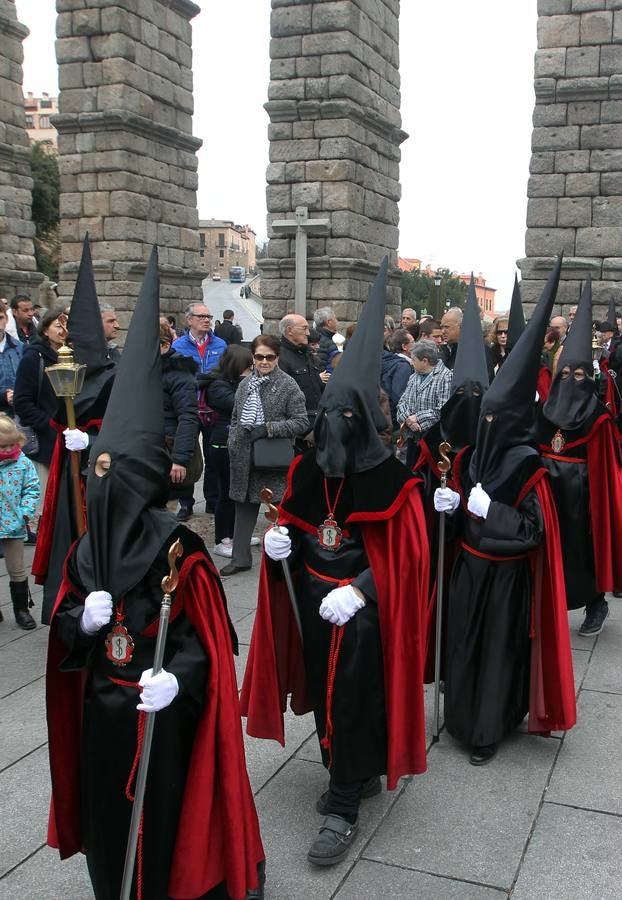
488,645
109,731
568,472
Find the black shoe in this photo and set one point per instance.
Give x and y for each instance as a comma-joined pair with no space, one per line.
617,593
595,618
24,620
333,841
482,755
371,788
31,537
258,892
20,595
184,513
233,570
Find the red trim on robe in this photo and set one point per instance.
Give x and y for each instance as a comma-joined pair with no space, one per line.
543,385
218,833
275,666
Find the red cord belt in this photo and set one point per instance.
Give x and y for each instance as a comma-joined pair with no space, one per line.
490,556
333,658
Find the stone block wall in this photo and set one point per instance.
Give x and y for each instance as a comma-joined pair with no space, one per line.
127,156
335,132
575,185
18,272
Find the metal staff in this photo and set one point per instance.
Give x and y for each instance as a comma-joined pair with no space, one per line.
169,583
444,465
272,515
67,380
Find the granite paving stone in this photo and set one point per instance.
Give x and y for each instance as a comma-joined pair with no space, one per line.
23,726
371,881
25,792
589,769
574,854
42,877
464,821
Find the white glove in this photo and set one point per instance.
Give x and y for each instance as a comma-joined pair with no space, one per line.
446,500
479,501
97,611
277,543
76,439
158,691
340,605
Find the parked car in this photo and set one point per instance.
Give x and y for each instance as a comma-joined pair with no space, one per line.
216,277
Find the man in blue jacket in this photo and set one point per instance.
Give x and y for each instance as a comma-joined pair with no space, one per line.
205,348
10,356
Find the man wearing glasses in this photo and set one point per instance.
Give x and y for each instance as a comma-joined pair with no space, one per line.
298,361
205,348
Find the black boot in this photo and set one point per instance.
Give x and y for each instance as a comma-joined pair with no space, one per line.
20,595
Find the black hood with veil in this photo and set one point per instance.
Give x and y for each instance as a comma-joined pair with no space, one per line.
460,414
350,443
505,442
86,337
572,403
516,319
127,524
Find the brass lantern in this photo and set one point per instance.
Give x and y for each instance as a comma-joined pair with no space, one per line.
67,379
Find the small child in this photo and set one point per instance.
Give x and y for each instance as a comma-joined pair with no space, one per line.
19,496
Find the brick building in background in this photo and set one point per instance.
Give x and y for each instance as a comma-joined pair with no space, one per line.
224,244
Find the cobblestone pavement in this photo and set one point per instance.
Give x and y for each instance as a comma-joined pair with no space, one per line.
543,820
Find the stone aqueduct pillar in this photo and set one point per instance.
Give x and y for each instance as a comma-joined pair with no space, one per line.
335,132
126,152
17,262
575,187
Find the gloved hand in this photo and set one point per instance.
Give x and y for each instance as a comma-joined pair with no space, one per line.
76,439
97,611
257,432
158,691
446,500
277,543
341,604
479,501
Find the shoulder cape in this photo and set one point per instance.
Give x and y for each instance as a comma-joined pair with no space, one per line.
275,665
218,833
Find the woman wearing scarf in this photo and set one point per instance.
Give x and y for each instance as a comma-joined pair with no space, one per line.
268,404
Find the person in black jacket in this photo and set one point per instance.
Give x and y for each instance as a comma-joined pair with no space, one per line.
181,418
34,399
298,361
220,385
229,332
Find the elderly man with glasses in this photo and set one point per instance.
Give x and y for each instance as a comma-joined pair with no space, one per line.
205,348
297,359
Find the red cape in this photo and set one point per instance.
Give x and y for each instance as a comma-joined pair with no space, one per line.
218,832
397,549
545,380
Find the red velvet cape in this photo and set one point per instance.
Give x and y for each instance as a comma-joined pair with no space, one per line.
604,473
45,529
397,549
218,832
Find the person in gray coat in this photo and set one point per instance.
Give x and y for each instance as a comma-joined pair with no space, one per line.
268,404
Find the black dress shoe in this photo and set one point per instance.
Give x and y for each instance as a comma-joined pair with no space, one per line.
184,513
333,841
233,570
482,755
24,620
371,788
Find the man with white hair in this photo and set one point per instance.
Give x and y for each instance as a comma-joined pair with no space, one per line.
450,331
326,325
298,361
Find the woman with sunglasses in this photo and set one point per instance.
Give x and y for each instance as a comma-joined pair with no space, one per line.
497,350
268,404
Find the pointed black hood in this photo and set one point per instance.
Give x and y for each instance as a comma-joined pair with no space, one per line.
612,317
351,443
460,415
504,438
127,524
570,401
86,336
516,321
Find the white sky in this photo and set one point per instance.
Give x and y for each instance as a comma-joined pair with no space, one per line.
467,101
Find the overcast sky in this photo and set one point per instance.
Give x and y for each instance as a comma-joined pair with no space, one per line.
467,101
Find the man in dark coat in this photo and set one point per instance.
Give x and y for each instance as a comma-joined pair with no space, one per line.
297,360
350,506
199,834
508,647
325,322
580,448
228,330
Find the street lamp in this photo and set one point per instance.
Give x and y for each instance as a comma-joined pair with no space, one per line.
437,285
67,380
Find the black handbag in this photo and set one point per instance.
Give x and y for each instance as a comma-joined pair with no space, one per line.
31,444
272,454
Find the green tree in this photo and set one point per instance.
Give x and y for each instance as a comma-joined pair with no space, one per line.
45,209
420,292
